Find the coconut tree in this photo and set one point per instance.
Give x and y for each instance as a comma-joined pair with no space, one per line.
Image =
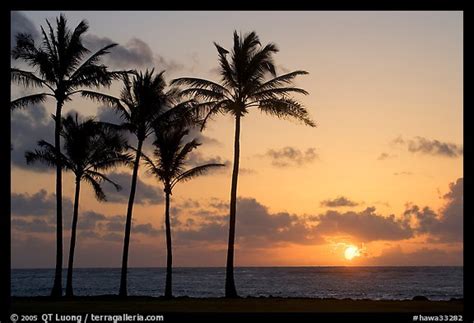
170,155
144,103
90,149
62,67
248,81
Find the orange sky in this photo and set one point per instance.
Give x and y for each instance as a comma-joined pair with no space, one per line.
386,93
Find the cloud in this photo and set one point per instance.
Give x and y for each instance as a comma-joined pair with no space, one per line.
189,203
196,158
384,156
21,24
91,225
365,225
247,171
115,223
147,229
339,202
135,53
290,156
255,226
283,69
88,220
447,226
219,204
396,256
35,225
432,147
195,133
145,193
403,173
38,204
28,126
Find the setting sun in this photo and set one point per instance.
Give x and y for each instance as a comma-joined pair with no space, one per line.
351,252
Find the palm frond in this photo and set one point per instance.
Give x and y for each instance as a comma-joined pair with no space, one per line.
109,100
47,155
90,68
104,178
280,80
199,83
43,156
153,169
28,100
194,172
286,108
99,192
27,78
276,92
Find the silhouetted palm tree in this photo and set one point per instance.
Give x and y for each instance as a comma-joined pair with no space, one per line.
60,69
143,103
90,149
245,85
170,158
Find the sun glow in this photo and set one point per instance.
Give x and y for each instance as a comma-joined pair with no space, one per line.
351,252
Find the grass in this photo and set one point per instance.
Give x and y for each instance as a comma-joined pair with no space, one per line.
139,304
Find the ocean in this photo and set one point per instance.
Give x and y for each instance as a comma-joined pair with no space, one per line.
435,283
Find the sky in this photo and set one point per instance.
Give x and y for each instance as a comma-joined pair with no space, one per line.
382,171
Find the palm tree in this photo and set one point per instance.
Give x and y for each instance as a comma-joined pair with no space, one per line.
60,69
170,157
90,149
244,85
143,103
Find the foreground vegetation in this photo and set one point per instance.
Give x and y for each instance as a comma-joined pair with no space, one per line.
140,304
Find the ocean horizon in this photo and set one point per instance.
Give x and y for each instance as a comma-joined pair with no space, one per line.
340,282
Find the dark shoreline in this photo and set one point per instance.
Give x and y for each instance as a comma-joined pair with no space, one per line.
149,304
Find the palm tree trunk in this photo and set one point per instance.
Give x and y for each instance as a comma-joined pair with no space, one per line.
72,246
57,287
169,255
230,291
128,224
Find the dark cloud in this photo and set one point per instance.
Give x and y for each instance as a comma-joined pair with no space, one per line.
115,223
384,156
195,133
134,54
21,24
107,114
147,229
430,147
340,201
290,156
145,194
189,203
447,226
256,226
37,204
219,204
364,226
28,126
395,256
196,158
88,221
34,225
